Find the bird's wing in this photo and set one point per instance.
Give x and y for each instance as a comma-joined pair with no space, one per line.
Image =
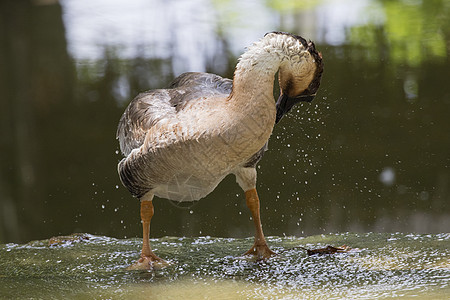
153,106
193,86
208,80
143,112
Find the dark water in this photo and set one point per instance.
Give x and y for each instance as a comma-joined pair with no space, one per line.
93,267
370,154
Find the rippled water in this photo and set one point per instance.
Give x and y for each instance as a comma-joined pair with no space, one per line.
380,265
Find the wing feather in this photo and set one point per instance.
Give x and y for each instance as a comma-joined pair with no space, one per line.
151,107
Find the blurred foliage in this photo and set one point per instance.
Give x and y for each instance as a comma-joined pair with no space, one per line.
289,5
321,174
412,32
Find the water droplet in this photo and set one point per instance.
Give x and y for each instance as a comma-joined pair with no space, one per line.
424,196
387,176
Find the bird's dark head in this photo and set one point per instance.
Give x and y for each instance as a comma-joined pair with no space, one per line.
300,73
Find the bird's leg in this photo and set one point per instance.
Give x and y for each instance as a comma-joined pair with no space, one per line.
148,259
260,249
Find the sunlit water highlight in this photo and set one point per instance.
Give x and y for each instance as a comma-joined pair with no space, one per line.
385,265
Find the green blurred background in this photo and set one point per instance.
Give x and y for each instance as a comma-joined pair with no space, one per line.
370,153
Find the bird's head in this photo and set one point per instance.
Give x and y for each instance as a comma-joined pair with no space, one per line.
299,74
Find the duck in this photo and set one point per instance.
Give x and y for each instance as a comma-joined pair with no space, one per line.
180,142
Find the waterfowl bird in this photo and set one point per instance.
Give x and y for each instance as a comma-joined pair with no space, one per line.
180,142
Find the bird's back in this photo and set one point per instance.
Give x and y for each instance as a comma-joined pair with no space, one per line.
159,135
152,107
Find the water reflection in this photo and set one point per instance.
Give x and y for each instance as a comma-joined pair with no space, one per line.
383,105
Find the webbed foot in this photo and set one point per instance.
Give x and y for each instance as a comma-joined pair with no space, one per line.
260,252
149,262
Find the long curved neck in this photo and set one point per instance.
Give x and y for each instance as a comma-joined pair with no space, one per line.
254,74
251,100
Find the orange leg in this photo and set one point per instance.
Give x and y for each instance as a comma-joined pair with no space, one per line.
148,259
260,249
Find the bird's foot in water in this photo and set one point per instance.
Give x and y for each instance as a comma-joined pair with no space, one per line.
260,252
149,262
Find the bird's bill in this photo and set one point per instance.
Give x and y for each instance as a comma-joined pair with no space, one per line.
285,104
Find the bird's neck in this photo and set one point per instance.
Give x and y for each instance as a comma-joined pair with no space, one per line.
251,100
254,75
252,93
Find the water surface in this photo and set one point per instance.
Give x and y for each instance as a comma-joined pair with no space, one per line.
379,266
